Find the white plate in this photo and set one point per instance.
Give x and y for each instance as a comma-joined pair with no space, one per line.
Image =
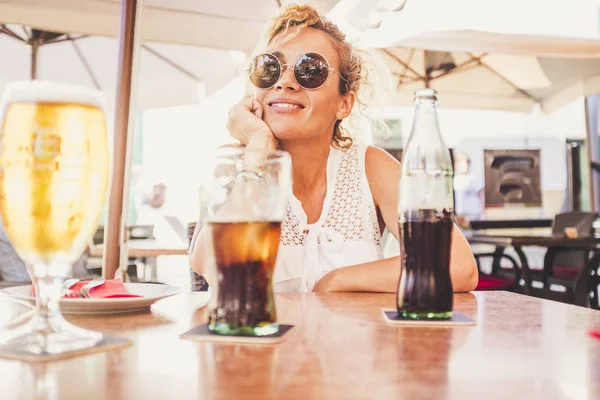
150,293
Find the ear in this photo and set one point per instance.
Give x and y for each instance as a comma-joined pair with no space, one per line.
346,106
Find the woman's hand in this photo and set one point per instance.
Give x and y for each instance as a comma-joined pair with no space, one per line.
245,124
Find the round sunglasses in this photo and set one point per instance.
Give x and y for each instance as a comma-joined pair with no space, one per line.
310,71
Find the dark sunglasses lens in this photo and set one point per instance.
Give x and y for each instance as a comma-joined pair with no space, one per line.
264,71
311,70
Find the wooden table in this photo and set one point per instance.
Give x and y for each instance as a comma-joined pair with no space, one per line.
521,348
555,243
145,248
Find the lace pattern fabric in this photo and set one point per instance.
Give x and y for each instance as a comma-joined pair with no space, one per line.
290,230
350,210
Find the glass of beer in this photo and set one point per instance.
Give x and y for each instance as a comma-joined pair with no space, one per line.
246,202
54,163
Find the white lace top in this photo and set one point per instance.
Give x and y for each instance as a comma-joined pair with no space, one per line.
347,232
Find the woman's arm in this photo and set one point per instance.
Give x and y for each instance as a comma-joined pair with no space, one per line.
383,172
383,275
198,253
246,125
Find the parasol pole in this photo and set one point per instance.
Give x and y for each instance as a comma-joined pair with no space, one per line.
34,54
115,250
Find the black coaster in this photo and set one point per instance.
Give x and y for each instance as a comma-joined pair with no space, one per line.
202,334
108,343
457,319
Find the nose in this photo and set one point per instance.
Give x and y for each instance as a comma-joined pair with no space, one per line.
287,80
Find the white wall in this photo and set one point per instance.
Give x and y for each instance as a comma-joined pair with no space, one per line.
567,122
456,124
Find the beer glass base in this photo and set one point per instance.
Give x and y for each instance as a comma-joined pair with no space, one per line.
222,328
424,315
48,336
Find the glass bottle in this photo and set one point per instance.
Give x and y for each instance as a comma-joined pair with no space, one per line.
425,217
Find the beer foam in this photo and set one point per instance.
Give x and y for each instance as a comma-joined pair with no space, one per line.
51,92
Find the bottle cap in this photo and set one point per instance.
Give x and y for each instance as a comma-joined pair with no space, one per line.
426,94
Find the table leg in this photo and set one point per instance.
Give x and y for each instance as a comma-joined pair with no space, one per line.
153,269
548,265
496,260
525,268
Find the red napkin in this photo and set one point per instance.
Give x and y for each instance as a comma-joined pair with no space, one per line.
594,334
111,289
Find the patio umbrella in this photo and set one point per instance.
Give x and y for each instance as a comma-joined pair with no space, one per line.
226,24
489,80
499,55
169,75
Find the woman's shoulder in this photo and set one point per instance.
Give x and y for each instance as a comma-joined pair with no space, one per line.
378,161
382,171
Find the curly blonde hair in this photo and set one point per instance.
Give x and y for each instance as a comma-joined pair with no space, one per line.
351,64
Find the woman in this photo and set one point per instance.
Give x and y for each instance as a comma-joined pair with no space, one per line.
345,193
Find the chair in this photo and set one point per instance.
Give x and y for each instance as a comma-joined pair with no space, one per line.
94,264
141,232
198,283
502,276
561,267
586,291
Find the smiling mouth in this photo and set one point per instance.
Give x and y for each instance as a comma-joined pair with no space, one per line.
286,106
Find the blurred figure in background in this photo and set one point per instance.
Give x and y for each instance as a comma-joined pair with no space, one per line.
469,195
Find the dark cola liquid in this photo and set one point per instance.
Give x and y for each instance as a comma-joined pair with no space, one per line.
245,254
425,288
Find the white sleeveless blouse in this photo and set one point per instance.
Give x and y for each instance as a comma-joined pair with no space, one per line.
347,232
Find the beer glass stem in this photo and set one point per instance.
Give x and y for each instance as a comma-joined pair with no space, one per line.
47,312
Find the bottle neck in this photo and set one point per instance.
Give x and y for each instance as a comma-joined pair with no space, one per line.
425,122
